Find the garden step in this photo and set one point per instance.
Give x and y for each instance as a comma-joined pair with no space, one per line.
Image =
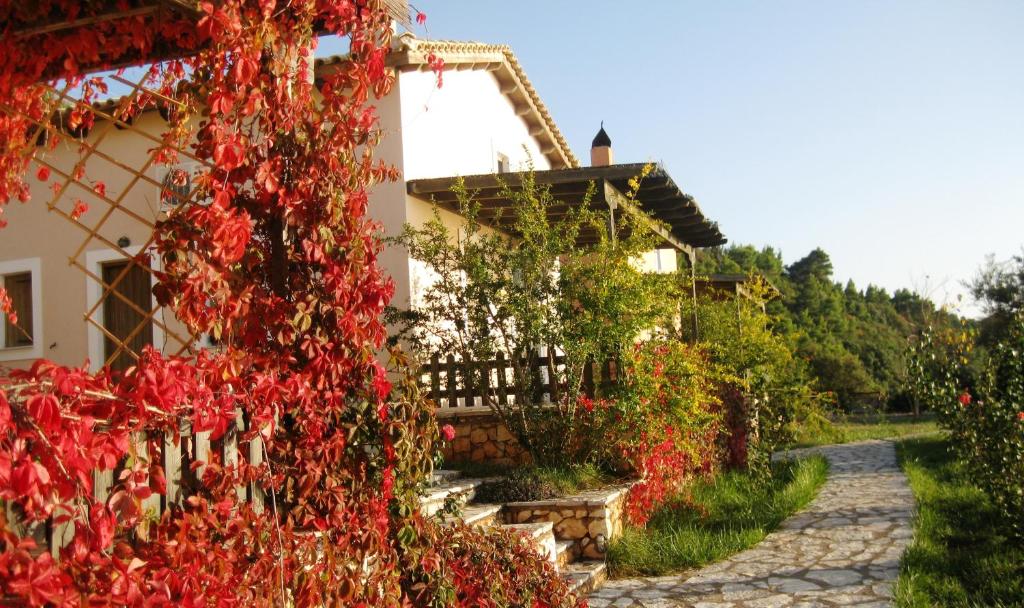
440,476
541,534
593,518
566,551
460,490
585,576
477,514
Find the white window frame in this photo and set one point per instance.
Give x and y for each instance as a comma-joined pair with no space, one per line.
35,351
94,290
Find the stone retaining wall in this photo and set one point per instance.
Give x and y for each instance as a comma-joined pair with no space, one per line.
480,437
591,518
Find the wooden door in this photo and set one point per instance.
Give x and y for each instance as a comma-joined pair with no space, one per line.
120,318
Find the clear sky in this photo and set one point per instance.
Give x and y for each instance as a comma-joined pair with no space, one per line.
891,134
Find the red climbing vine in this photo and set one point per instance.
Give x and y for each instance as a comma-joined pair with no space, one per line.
277,259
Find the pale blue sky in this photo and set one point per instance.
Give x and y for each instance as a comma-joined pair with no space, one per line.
891,134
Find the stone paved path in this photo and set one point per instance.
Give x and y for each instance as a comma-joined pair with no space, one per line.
842,550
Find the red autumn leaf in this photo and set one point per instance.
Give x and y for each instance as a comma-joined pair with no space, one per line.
421,17
228,155
80,208
43,173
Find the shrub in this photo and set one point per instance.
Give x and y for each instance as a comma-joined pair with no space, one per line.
488,569
665,421
983,411
765,390
531,291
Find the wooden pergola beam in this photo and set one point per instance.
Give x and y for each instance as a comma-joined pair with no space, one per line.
621,201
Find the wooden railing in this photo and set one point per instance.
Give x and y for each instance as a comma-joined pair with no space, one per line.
461,384
176,458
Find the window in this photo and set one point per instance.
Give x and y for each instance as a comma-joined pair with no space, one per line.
22,281
177,183
19,290
503,166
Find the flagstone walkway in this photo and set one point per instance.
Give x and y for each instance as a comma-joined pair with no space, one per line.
842,550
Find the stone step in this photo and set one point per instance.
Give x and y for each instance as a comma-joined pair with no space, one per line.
440,476
566,552
585,576
477,514
541,535
593,518
459,490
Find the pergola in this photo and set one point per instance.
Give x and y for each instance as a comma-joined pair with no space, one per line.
672,214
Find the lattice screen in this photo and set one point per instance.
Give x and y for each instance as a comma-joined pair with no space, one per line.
127,185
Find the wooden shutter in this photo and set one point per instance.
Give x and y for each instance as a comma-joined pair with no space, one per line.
120,318
19,289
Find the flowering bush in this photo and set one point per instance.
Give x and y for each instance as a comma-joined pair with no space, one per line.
664,421
983,410
536,291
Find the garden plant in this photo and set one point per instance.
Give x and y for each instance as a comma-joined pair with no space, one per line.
277,259
675,406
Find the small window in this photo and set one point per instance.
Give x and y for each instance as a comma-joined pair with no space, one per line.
19,290
177,184
22,281
503,166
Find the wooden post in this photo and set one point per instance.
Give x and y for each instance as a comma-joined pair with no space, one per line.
552,376
435,378
692,256
588,379
469,400
230,447
172,468
453,393
502,379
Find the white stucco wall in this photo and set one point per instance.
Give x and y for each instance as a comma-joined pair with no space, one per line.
658,260
35,232
460,128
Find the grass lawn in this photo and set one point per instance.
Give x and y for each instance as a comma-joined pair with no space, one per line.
845,432
961,555
733,512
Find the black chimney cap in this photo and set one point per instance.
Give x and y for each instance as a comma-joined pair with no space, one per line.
601,139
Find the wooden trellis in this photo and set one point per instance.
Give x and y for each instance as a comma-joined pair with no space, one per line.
74,183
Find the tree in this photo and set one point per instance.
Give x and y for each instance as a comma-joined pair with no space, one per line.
529,295
854,340
999,288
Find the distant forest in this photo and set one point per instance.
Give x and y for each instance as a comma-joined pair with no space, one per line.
854,340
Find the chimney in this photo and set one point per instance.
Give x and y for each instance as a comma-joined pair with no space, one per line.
601,149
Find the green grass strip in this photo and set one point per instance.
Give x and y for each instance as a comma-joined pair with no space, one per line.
846,431
725,515
962,554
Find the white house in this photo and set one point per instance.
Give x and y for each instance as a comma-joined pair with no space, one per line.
486,119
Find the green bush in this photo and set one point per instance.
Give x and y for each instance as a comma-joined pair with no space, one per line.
982,408
766,387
